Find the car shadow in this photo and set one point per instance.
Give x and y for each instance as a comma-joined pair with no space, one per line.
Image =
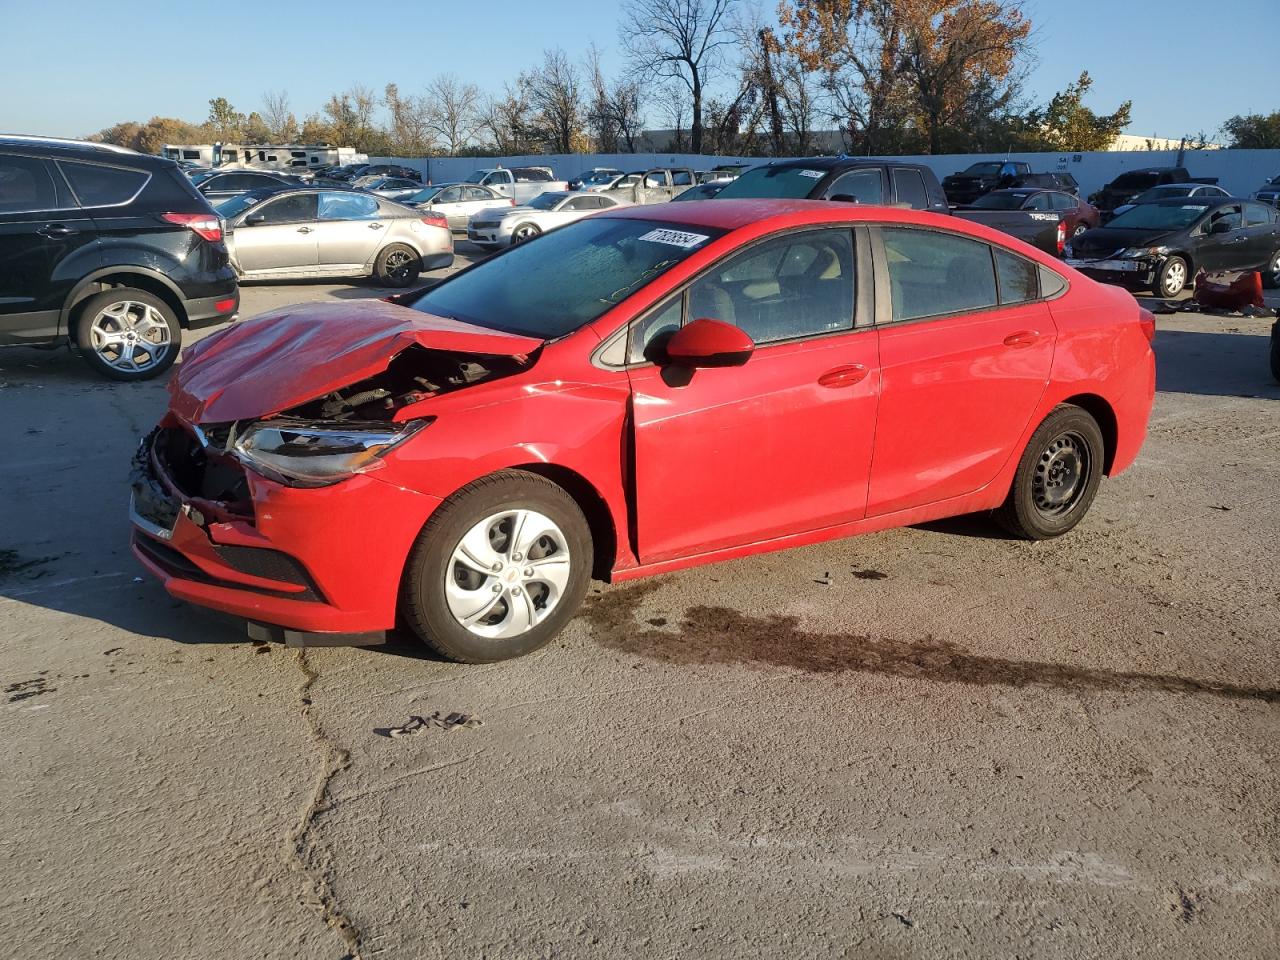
1214,364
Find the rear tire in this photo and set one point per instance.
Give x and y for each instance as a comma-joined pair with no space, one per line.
1172,278
127,334
1271,275
511,555
1057,476
397,266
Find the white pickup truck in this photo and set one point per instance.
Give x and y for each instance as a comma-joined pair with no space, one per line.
521,184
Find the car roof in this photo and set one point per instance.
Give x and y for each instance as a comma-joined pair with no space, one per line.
1205,202
83,150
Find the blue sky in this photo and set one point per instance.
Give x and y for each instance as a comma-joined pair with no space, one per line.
72,67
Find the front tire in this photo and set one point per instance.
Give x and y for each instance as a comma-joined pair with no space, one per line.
128,334
1275,350
523,232
397,266
1271,275
498,570
1057,476
1172,278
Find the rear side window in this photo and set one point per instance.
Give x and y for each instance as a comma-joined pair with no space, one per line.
347,206
1061,201
299,206
1255,214
1018,278
26,185
98,186
932,274
909,185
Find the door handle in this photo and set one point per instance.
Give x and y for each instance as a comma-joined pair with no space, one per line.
56,230
845,376
1023,338
375,226
304,229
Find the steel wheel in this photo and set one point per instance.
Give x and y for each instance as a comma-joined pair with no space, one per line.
507,574
1060,475
130,336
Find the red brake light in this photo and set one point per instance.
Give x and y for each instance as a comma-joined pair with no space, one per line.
1062,235
206,225
512,201
1147,321
436,220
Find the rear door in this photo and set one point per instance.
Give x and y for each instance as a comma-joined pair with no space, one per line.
966,346
780,445
278,236
449,202
47,244
349,230
1263,234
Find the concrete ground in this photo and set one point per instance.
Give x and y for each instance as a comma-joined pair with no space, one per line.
931,742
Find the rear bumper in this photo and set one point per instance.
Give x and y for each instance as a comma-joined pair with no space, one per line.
206,311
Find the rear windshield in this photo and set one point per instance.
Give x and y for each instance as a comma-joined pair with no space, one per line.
1001,201
1174,216
793,183
597,263
531,175
1135,181
234,206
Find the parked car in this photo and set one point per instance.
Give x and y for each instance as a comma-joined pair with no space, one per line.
1269,192
505,226
1043,218
981,178
594,178
702,381
457,201
703,191
1124,188
1159,246
844,179
393,188
220,185
521,184
347,172
655,185
111,251
1172,191
320,232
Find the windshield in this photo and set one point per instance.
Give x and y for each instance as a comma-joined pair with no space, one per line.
1001,201
545,201
794,183
422,196
1175,216
234,206
1135,181
984,169
1161,193
596,263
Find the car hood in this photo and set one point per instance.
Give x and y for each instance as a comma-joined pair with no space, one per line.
1107,240
260,367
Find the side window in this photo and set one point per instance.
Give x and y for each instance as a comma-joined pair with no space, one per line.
1255,215
347,206
681,178
291,209
97,186
26,185
909,186
449,195
1039,202
476,193
1060,201
581,203
932,274
1230,214
1018,278
654,328
865,186
798,285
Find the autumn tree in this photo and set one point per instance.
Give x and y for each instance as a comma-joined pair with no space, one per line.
678,40
508,119
1066,124
225,122
453,112
350,118
1253,131
555,94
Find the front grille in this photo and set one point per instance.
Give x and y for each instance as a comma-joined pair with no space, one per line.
175,564
269,565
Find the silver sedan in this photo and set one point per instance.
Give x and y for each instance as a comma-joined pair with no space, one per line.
501,226
332,233
457,201
393,188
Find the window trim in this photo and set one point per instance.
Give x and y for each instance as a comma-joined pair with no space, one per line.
147,174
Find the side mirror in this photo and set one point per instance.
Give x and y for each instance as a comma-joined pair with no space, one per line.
1220,226
709,343
253,219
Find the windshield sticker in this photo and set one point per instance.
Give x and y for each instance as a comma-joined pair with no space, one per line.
1194,206
675,238
813,174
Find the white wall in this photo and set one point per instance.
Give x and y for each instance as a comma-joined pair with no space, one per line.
1239,171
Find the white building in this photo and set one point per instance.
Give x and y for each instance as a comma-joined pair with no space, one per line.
263,156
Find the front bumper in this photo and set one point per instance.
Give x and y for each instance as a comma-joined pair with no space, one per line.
319,560
1125,273
488,236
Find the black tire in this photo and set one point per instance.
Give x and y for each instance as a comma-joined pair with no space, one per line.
1275,350
524,232
139,313
1271,273
1057,477
423,601
1080,228
1172,278
397,266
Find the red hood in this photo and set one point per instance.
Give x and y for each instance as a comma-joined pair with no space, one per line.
279,360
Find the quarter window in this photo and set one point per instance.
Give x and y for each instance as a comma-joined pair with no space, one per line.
98,186
1018,278
932,274
652,330
25,185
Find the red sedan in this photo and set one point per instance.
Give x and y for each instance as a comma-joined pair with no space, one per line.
644,390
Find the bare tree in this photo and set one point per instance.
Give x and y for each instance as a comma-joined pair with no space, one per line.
454,112
678,40
556,96
507,118
278,117
410,132
628,115
601,122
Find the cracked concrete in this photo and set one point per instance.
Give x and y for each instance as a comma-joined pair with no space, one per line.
925,743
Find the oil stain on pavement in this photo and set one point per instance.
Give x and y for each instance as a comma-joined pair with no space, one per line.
712,634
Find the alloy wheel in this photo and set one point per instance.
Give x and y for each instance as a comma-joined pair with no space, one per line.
1061,475
507,574
130,336
398,264
524,233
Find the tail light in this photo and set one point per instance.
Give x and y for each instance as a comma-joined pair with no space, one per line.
436,220
1147,321
1062,236
512,201
205,225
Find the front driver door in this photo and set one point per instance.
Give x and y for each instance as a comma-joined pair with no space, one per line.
781,445
278,236
1226,250
965,362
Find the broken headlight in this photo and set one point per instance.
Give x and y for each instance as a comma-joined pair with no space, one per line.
314,454
1142,253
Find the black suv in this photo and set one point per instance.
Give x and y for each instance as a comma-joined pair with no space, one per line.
848,179
107,249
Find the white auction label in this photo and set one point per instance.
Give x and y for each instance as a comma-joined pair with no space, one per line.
814,174
675,238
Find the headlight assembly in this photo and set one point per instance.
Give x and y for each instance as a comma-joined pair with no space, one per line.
316,453
1142,253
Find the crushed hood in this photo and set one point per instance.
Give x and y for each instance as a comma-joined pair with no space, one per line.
259,367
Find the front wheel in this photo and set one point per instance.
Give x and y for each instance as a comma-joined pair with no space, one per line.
397,266
525,231
1275,350
1271,274
1057,477
499,569
1172,277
